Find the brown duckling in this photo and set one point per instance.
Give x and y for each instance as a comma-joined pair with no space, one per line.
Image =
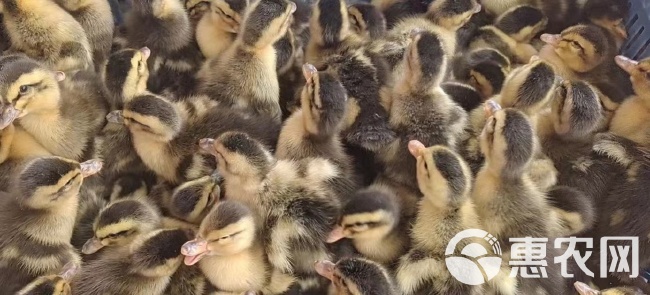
630,119
38,216
293,197
46,32
62,114
230,253
357,276
446,209
144,267
58,284
254,54
218,27
120,222
164,133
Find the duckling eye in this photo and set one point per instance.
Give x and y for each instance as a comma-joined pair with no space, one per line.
576,45
24,89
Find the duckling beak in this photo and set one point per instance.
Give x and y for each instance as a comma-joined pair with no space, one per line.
336,235
415,146
207,145
69,270
309,70
620,30
146,52
534,58
292,6
325,268
91,167
584,289
194,250
414,33
9,114
628,65
91,246
490,107
59,76
115,117
477,8
553,40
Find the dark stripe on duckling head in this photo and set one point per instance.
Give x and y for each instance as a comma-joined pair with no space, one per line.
229,212
450,168
518,134
370,200
330,21
260,18
369,277
184,200
586,112
117,68
539,82
13,70
333,99
456,7
41,172
151,105
161,247
127,209
493,73
241,143
519,18
593,34
374,19
431,55
237,5
488,55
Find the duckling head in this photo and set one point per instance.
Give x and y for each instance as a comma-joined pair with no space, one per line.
425,62
158,254
323,102
507,141
576,109
239,156
29,87
266,22
125,74
608,14
581,48
58,284
356,276
443,177
228,229
48,182
228,14
452,14
639,72
192,200
484,69
370,214
149,116
522,22
367,21
196,9
120,223
529,87
329,23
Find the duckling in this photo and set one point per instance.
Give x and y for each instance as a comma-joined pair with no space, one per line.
507,201
313,131
419,107
192,200
587,52
575,210
522,23
609,15
164,133
445,181
629,119
228,250
120,222
374,221
492,37
217,30
395,11
584,289
63,116
46,32
485,69
357,276
367,21
253,52
53,284
452,14
96,18
38,217
298,207
196,9
463,95
144,267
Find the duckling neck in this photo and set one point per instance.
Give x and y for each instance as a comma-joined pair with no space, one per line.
53,225
383,250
